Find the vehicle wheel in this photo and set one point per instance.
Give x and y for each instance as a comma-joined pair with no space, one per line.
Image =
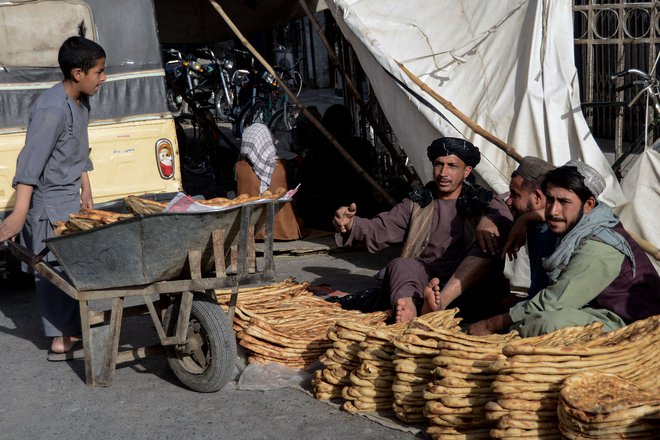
206,362
295,83
172,101
223,106
252,115
278,123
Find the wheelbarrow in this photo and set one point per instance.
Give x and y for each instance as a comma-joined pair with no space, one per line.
173,261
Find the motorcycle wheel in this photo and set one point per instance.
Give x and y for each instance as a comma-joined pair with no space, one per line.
172,104
222,106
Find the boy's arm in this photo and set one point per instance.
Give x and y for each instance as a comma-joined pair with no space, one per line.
12,225
86,199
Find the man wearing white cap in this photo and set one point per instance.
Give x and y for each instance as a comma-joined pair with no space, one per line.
597,272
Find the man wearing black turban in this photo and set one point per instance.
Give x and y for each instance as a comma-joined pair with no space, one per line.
444,228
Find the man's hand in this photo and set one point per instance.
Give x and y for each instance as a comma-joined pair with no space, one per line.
516,239
518,235
488,236
490,325
343,220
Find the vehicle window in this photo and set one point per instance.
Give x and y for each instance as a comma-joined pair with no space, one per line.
31,33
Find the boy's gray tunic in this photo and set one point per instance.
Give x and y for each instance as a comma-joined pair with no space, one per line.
55,155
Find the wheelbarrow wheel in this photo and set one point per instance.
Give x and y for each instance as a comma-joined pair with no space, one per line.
205,363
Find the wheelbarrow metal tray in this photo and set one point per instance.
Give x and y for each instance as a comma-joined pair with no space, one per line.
147,249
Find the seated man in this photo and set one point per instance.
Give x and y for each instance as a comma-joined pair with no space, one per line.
597,272
439,228
527,204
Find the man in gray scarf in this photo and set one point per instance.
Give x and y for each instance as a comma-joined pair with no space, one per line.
597,272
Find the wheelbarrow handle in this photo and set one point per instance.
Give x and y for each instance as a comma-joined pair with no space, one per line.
26,255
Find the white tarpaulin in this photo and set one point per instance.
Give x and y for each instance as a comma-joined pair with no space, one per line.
507,64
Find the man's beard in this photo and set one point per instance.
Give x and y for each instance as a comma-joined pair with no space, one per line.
571,225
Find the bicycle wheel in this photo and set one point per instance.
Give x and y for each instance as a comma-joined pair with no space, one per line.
279,123
295,83
253,114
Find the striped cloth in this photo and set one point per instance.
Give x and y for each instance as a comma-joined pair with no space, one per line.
258,148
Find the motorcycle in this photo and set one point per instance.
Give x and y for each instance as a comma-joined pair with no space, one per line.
177,81
202,79
213,89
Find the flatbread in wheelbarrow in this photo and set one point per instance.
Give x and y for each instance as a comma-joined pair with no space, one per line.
139,206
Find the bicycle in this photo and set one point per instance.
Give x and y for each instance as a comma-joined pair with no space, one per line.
650,89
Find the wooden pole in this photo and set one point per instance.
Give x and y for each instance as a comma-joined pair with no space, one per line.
411,177
301,106
508,149
648,247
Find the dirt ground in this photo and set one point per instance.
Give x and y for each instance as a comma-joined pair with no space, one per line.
43,400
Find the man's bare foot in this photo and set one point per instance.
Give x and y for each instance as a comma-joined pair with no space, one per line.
405,310
62,344
432,298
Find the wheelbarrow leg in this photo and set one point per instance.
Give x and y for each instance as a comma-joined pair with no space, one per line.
101,344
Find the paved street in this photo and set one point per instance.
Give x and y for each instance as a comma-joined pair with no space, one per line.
46,400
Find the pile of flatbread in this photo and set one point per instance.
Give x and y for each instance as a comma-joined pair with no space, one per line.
456,400
340,359
370,386
284,323
413,364
529,380
88,219
597,405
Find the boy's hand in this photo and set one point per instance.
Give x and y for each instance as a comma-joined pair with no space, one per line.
86,199
11,226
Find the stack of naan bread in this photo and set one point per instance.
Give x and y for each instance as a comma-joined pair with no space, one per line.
360,365
284,323
457,398
597,405
415,350
370,386
528,382
340,359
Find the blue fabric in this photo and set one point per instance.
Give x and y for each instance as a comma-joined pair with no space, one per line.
540,244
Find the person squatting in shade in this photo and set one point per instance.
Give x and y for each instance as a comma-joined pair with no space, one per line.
597,272
259,169
51,178
451,230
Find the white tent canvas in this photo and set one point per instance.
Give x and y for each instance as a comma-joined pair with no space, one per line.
508,65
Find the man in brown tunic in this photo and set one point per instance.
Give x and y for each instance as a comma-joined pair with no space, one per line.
444,229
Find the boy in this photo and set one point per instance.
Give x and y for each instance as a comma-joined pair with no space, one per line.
51,178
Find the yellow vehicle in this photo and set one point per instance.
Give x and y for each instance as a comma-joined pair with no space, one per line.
131,132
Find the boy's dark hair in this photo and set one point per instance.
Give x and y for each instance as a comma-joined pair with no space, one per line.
78,53
567,177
